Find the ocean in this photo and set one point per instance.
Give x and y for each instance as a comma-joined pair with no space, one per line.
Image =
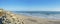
41,14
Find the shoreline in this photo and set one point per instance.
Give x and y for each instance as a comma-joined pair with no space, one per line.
37,17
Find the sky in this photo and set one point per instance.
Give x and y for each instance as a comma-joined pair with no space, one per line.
30,5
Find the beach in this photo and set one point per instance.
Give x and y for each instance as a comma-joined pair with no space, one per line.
34,20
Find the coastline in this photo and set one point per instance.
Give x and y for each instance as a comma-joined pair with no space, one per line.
36,20
23,19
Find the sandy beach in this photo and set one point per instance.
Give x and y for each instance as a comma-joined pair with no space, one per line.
34,20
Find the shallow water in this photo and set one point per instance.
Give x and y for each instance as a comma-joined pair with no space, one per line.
41,14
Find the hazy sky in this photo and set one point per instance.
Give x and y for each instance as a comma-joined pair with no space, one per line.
30,5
